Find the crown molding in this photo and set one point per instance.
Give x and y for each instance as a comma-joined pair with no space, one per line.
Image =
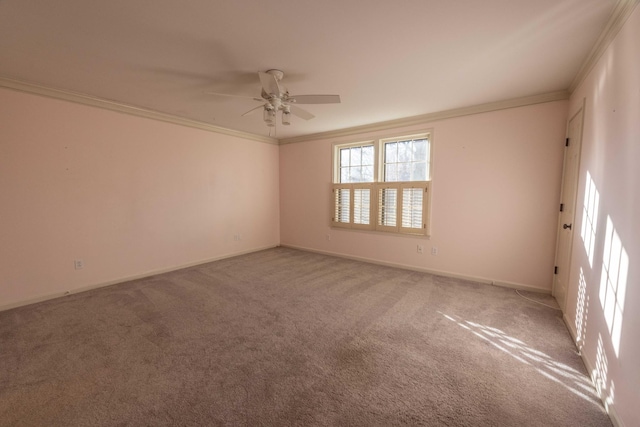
432,117
619,16
127,109
621,12
387,125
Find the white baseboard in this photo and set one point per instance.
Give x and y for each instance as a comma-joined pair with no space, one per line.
521,287
613,415
52,295
571,328
611,410
484,280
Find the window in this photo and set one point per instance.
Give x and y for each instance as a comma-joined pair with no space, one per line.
383,184
356,164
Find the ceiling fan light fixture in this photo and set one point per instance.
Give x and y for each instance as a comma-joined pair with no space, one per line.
269,116
286,116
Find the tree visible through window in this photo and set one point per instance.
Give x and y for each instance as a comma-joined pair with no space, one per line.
356,164
406,160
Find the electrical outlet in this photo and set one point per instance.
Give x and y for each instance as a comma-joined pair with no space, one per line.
328,237
78,264
420,249
434,250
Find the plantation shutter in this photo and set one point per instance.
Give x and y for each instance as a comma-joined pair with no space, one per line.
341,216
413,209
352,206
387,208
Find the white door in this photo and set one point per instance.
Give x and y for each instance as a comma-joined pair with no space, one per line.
567,209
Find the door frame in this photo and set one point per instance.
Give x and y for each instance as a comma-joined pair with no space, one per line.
580,110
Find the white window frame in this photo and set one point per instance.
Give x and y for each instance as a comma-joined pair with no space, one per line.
378,184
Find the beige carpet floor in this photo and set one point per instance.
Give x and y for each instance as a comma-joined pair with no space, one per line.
290,338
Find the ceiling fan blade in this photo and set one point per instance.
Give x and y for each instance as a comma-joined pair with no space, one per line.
303,114
252,110
269,83
315,99
235,96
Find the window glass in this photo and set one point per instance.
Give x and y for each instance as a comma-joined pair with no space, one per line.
344,157
420,149
419,172
356,156
344,174
406,160
357,164
404,172
391,172
354,174
404,151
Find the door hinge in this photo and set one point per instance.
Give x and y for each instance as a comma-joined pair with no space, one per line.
561,207
555,270
566,143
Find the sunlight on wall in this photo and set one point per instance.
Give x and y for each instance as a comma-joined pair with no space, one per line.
602,366
600,376
613,283
582,310
573,380
608,401
590,217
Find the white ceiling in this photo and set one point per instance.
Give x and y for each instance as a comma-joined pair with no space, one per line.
387,60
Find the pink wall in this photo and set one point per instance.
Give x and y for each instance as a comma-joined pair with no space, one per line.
127,195
605,283
496,181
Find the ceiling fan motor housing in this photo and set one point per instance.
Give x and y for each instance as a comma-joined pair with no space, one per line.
278,74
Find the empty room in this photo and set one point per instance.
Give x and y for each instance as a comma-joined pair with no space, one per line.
330,213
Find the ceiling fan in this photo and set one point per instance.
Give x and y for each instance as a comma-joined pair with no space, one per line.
275,97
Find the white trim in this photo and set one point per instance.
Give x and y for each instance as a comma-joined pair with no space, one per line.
149,273
619,16
572,331
521,287
613,416
388,125
482,280
93,101
431,117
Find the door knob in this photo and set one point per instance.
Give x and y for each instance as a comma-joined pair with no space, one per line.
565,226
